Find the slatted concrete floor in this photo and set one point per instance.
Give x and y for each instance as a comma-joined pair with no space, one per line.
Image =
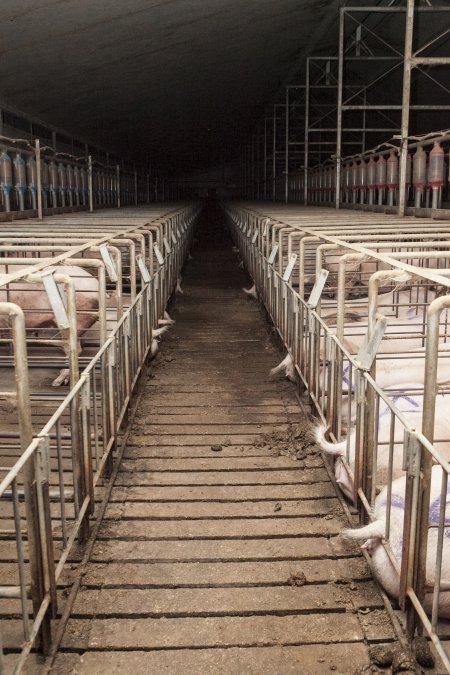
192,566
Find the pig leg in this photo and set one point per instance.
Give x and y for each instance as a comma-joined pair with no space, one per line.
64,375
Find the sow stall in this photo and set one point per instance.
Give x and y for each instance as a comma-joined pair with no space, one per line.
353,298
58,444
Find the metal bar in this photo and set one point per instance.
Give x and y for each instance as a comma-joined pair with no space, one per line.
38,178
274,149
431,42
306,155
430,61
90,191
286,150
395,10
396,107
339,108
406,94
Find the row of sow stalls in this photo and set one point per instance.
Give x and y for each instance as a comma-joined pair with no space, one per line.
361,305
80,295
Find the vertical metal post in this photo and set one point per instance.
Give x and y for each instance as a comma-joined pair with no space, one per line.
265,160
364,124
118,184
37,150
339,107
409,25
306,152
286,151
257,164
1,122
135,188
274,151
252,168
90,191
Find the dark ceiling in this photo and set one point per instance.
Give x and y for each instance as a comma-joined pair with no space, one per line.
179,81
177,84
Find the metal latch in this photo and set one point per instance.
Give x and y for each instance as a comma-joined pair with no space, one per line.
369,348
56,301
318,287
109,262
273,254
158,254
143,269
290,267
412,450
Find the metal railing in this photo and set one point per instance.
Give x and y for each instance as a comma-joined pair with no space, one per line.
48,492
393,442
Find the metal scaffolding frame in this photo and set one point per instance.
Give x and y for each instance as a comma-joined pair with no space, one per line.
353,119
394,59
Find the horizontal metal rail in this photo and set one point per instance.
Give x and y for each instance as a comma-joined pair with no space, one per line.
286,253
57,473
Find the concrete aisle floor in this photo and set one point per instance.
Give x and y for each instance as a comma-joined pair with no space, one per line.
220,561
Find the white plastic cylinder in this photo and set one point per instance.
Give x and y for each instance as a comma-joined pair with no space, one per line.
380,178
419,173
6,179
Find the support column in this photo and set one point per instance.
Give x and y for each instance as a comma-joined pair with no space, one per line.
409,26
339,109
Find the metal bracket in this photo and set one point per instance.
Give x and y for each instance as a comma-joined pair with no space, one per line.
158,254
167,246
112,355
360,389
143,269
273,254
275,280
126,326
55,299
255,237
328,350
109,262
42,466
369,348
173,237
86,394
265,227
316,292
412,450
290,267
